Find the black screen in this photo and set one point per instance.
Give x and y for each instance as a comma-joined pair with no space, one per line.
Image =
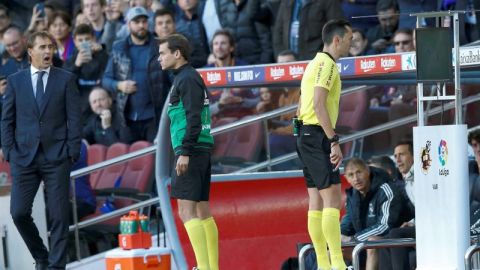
434,54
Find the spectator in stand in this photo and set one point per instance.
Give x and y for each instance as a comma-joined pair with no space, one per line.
133,75
211,17
380,36
373,206
80,18
280,135
16,46
93,10
388,165
402,99
88,62
5,22
401,258
38,21
59,26
114,14
164,21
253,39
474,141
106,126
474,179
298,26
188,22
359,45
229,102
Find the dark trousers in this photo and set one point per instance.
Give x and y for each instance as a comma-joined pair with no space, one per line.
26,180
143,130
398,258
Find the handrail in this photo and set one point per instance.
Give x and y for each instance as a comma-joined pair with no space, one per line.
376,244
469,254
363,133
217,130
307,247
115,213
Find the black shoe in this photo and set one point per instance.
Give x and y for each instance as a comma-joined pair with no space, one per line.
41,265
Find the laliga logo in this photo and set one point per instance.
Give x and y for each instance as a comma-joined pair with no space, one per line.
442,157
425,157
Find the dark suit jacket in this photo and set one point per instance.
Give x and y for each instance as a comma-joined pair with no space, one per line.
55,125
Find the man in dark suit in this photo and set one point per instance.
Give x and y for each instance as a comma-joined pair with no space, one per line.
41,139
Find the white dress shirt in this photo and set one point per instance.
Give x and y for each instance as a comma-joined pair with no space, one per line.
34,76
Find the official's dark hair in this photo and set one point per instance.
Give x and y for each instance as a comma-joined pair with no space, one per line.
224,32
474,135
177,42
163,12
333,28
83,29
42,34
287,52
356,161
406,142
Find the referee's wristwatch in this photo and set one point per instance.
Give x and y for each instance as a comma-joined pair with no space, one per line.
334,139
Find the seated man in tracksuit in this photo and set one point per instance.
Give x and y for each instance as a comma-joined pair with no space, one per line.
374,205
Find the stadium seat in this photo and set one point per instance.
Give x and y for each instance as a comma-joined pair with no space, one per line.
109,175
353,108
246,143
96,153
137,178
222,140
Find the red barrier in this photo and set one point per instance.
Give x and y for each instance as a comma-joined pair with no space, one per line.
260,222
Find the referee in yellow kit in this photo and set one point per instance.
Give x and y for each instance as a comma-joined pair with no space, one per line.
317,143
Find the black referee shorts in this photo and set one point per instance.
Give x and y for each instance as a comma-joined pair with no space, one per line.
195,184
313,148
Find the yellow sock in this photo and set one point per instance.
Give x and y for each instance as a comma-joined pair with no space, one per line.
196,233
331,230
318,240
211,233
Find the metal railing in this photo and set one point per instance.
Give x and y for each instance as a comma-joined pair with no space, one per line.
469,254
363,133
376,244
358,247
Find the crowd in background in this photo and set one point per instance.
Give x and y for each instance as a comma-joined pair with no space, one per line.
111,45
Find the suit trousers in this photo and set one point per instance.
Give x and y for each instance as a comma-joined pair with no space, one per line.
26,181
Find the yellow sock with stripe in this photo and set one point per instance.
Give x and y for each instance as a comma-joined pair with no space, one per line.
211,233
331,230
318,240
196,233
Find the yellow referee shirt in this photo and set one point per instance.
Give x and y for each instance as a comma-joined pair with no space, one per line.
320,72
